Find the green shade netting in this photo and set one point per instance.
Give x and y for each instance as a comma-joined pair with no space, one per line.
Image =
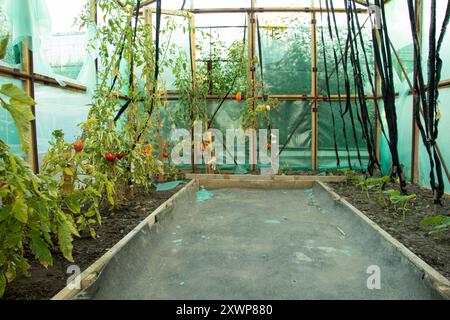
168,185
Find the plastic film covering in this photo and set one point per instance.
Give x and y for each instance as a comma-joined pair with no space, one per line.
174,38
52,114
401,39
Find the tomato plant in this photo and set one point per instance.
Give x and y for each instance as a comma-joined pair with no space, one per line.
81,185
31,218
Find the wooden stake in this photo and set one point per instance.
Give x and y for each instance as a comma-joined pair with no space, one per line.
252,79
377,106
191,21
416,101
28,84
314,104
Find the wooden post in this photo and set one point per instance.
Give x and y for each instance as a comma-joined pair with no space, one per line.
191,22
148,18
252,78
416,101
314,104
377,121
93,10
377,104
27,61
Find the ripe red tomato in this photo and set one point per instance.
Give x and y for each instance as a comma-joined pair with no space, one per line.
120,156
78,145
110,157
238,97
165,155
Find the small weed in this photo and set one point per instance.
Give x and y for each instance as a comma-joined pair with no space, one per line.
351,177
376,185
440,223
398,201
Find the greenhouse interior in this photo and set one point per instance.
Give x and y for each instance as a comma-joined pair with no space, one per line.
203,149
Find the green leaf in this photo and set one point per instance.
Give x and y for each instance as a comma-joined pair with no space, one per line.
431,220
12,239
4,212
22,115
110,192
40,250
68,171
20,210
93,233
91,213
2,284
15,93
3,45
65,241
73,204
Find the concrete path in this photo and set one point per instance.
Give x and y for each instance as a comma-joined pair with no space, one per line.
255,244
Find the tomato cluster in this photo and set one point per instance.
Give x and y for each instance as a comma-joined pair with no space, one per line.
111,157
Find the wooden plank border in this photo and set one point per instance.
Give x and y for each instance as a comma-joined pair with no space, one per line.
440,283
89,275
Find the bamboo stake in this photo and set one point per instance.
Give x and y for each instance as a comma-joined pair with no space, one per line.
314,104
415,129
27,61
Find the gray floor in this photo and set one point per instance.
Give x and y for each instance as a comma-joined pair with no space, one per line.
254,244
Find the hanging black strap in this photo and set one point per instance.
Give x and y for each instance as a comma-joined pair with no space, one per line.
363,114
327,82
430,132
119,61
260,54
383,61
336,66
156,70
344,58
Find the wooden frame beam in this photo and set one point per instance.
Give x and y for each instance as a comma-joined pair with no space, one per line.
261,10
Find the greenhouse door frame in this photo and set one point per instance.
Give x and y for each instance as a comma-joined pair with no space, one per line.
29,77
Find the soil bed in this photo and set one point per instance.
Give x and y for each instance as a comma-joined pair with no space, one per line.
45,283
433,249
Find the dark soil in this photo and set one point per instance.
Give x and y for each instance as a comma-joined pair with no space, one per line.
433,249
45,283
